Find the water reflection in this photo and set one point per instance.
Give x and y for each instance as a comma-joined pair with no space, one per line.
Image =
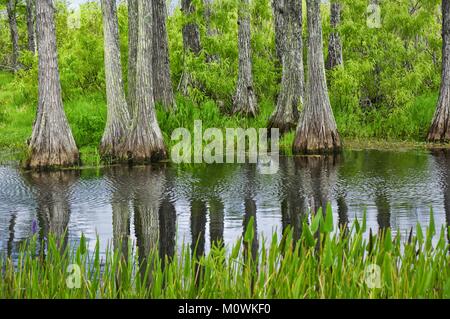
52,191
162,206
442,158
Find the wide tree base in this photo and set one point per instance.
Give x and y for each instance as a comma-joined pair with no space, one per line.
52,160
283,123
143,149
314,145
245,104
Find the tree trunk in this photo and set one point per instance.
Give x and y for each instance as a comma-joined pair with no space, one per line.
290,98
317,131
144,142
334,45
191,43
279,13
31,25
162,82
191,32
11,9
244,101
52,142
132,52
440,128
118,116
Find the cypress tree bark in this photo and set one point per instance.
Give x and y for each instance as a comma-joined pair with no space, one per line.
191,32
440,127
191,43
118,116
144,142
11,9
290,98
162,82
31,25
244,101
132,52
52,142
279,13
317,131
334,44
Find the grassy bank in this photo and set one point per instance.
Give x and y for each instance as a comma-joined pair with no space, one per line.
87,115
320,264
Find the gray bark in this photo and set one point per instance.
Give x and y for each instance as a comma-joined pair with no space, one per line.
244,101
31,25
11,9
279,13
52,142
191,32
162,82
334,44
132,51
191,43
317,131
290,98
440,127
118,116
144,142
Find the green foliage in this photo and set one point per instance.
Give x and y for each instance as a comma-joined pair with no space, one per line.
320,264
386,89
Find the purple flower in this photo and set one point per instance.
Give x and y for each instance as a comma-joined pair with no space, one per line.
34,226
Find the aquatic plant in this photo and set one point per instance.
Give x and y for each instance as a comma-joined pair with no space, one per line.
325,262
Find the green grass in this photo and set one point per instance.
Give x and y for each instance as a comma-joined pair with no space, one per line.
322,263
87,116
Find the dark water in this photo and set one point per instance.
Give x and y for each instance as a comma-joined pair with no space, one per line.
177,204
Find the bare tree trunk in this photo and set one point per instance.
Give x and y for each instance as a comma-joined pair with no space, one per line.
334,44
285,116
132,51
52,142
162,82
144,142
244,101
191,43
317,131
191,32
11,9
118,116
279,13
31,25
440,128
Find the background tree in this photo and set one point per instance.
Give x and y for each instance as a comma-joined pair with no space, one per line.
244,101
118,116
132,51
191,43
290,98
30,4
144,142
52,142
279,13
317,131
440,127
162,82
11,9
334,44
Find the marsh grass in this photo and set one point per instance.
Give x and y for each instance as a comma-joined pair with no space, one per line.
323,263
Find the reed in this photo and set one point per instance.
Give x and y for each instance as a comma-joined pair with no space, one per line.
325,262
